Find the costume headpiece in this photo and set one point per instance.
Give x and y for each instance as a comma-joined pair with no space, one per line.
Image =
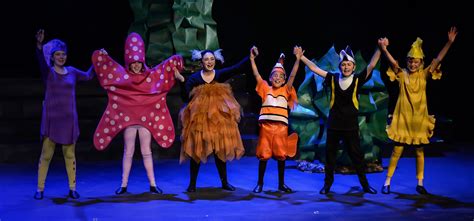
134,50
346,55
279,65
198,54
51,47
416,51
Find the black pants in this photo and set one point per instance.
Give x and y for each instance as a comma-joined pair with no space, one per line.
351,140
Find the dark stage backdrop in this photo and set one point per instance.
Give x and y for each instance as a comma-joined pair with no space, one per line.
273,26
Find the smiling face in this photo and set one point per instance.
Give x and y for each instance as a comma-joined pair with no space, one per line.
413,64
208,62
347,68
59,58
277,78
136,67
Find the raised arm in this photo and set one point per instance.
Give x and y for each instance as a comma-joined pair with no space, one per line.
312,66
291,78
451,37
253,55
375,58
44,69
383,46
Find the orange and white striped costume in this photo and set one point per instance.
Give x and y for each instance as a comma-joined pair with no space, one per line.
274,140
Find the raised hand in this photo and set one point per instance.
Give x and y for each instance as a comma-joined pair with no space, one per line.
39,38
452,34
253,52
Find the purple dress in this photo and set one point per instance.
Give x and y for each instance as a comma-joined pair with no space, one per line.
59,121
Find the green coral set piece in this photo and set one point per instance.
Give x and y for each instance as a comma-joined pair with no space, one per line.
170,27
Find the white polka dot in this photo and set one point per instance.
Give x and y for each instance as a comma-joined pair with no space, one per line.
115,98
112,122
171,140
104,67
152,114
101,147
168,68
149,124
135,48
120,126
107,119
107,112
170,128
157,106
111,63
106,130
134,39
158,84
126,76
163,110
165,137
162,117
162,76
135,57
159,71
112,88
97,134
157,118
116,117
115,69
159,134
161,127
117,79
101,75
110,76
100,58
143,118
162,98
166,81
127,118
101,140
148,80
114,106
121,114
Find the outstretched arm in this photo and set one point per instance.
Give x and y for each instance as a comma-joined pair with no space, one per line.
312,66
375,58
291,78
44,68
253,55
383,46
451,37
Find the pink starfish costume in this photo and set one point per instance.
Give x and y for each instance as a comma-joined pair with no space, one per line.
135,99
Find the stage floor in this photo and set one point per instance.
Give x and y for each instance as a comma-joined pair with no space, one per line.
449,178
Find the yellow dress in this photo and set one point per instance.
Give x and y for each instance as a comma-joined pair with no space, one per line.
411,123
210,124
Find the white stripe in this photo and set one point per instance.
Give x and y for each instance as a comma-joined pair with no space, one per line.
279,101
274,118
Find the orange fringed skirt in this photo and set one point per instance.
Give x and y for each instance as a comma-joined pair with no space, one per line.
210,124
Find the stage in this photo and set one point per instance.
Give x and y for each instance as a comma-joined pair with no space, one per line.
448,177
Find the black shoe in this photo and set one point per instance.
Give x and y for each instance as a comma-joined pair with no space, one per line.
73,194
369,189
325,190
121,190
228,187
285,188
38,195
191,189
386,189
258,188
155,189
421,190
